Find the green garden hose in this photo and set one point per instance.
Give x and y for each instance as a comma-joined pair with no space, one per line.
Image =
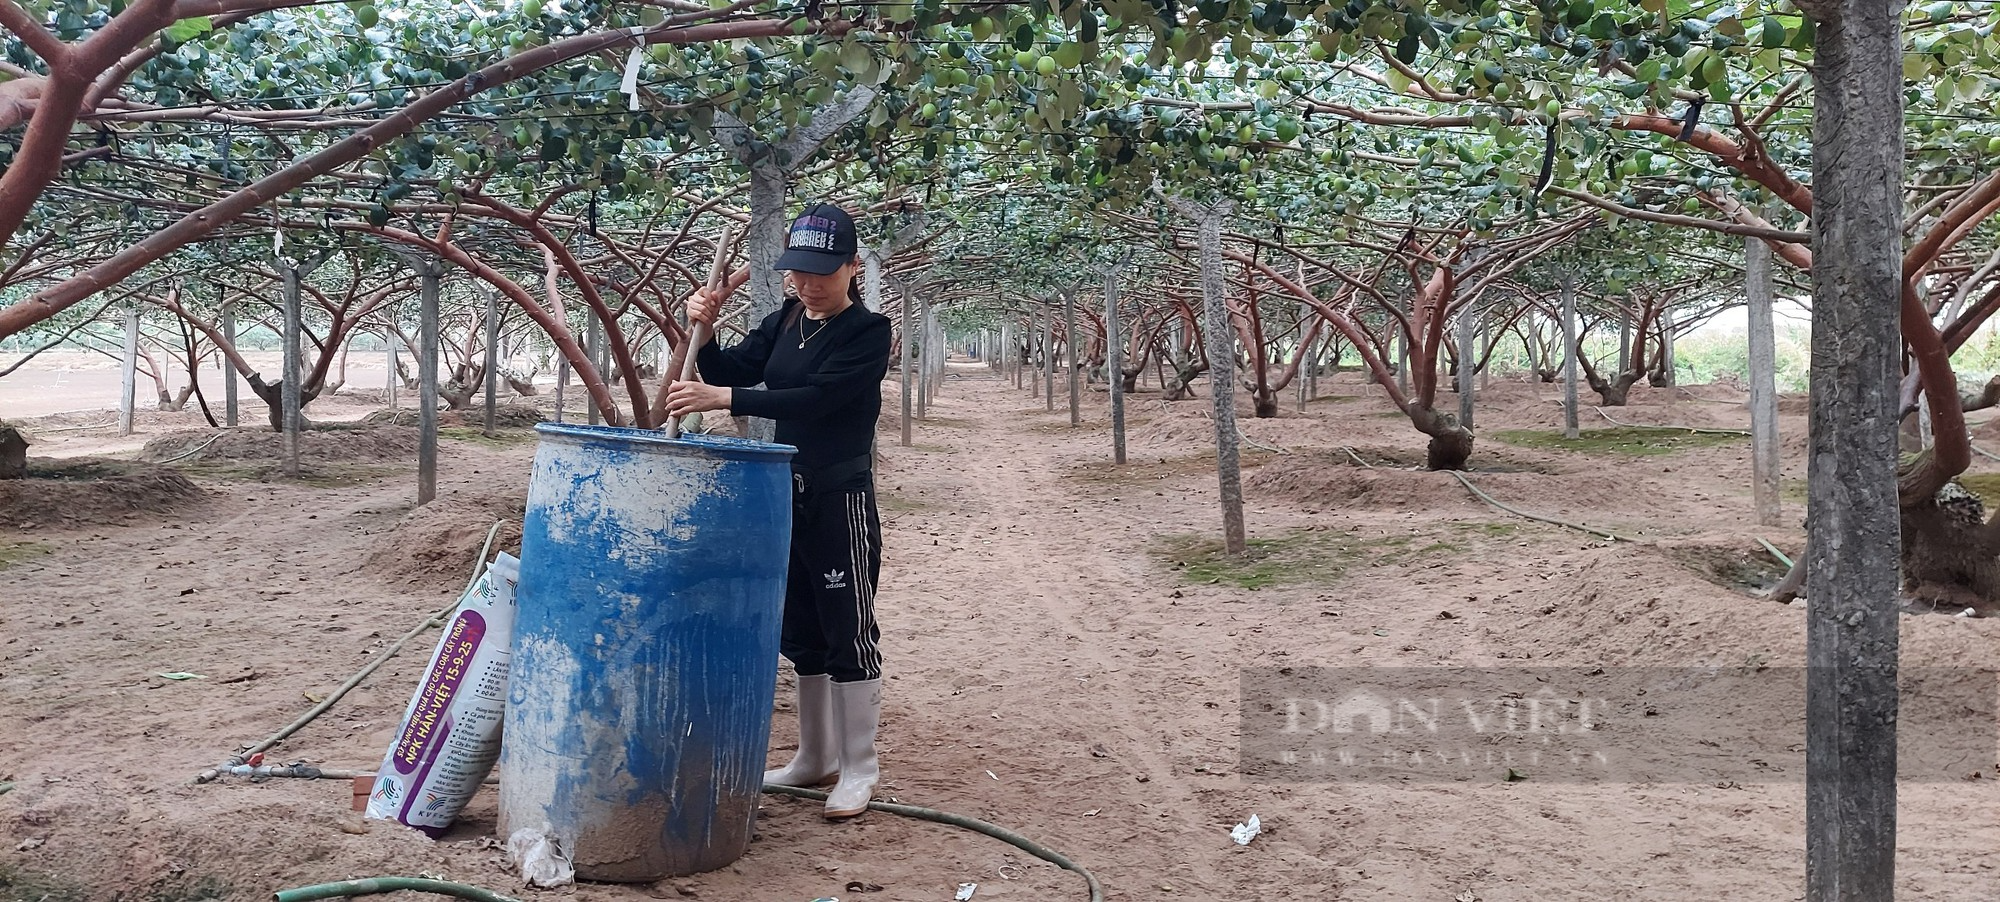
372,885
958,820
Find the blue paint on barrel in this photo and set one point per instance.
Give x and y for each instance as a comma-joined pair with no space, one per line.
645,648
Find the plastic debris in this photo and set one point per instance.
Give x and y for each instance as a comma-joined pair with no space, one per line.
180,675
965,891
540,858
1244,832
1968,612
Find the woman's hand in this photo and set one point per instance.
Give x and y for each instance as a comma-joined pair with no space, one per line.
696,397
703,307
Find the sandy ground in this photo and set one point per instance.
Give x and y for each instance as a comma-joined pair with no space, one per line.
1049,668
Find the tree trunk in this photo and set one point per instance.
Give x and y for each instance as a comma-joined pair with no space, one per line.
1948,554
1264,403
13,453
1451,443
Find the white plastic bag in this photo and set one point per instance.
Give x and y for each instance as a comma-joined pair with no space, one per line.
450,734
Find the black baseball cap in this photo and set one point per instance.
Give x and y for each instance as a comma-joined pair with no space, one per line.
821,241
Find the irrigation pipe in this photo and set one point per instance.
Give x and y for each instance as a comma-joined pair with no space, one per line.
197,449
1601,413
1357,457
958,820
1257,444
1985,453
1489,499
1773,549
242,758
371,885
77,428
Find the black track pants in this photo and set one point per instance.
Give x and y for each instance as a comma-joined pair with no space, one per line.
829,624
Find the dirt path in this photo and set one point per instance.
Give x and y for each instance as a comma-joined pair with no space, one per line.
1049,670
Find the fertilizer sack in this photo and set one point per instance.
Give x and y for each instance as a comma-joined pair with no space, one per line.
450,735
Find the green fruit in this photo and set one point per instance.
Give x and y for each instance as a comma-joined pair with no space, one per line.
1552,108
1247,133
929,111
1025,59
1993,144
1069,55
1502,91
1243,166
1046,66
366,16
1287,129
532,9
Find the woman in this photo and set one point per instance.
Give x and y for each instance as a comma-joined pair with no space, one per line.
821,358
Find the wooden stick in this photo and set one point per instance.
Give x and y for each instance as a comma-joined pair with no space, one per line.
681,367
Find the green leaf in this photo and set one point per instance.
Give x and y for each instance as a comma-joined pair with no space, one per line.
188,29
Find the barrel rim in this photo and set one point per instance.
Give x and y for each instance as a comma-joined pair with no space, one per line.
703,445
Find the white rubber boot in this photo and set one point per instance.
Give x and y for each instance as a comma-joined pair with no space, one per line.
857,711
818,757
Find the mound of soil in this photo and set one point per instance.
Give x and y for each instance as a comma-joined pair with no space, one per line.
326,443
1319,480
434,546
89,491
506,416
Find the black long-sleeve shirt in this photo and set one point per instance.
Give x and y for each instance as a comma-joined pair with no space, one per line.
826,396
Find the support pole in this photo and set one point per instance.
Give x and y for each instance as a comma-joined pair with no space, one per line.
593,342
429,272
230,376
492,359
1113,350
1302,357
128,371
909,360
1467,362
924,362
1069,346
1567,284
389,343
1049,360
1764,460
290,390
1853,532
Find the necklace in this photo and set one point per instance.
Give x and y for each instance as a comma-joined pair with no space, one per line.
803,337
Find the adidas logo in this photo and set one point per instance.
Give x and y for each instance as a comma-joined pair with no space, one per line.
836,579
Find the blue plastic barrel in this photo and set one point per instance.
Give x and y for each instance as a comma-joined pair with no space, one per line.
646,648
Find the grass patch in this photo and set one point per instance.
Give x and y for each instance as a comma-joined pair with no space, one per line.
12,553
1985,485
20,886
501,438
1638,442
1315,557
